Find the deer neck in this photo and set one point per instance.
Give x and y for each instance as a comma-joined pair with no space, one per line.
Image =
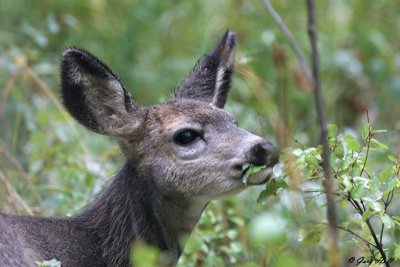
177,217
129,209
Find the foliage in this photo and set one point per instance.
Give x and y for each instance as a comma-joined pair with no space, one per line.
49,165
50,263
251,171
367,183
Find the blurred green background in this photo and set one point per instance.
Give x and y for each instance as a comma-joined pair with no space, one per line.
49,165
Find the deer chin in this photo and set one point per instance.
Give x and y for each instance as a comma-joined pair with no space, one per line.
227,186
228,193
235,184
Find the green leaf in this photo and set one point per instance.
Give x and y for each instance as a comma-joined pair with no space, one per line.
339,151
255,169
391,184
387,221
271,188
358,192
313,237
345,181
379,144
281,184
392,159
312,161
376,206
49,263
250,170
373,197
359,180
365,131
385,174
367,214
332,130
376,183
351,142
380,131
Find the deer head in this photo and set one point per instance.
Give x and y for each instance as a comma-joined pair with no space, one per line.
188,145
185,151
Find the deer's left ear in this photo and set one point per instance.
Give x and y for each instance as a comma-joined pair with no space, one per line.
210,79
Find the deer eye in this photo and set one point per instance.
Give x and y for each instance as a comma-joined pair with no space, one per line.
185,137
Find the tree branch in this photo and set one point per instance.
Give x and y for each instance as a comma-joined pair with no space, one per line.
371,230
331,210
299,53
378,244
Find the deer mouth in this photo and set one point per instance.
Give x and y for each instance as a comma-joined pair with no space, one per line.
256,175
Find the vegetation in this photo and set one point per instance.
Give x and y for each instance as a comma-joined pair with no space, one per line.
49,165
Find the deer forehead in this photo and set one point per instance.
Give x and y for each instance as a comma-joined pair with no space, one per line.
182,112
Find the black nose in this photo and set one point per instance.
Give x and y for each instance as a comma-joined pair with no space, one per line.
264,153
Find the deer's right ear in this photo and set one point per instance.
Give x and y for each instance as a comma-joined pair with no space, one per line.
95,97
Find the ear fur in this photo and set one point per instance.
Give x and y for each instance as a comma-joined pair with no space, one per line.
94,95
210,79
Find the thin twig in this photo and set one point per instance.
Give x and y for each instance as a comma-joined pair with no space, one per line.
13,193
299,53
381,236
386,203
368,144
298,142
45,88
331,210
353,203
358,236
391,197
23,173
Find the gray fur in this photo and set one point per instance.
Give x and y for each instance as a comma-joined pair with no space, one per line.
159,194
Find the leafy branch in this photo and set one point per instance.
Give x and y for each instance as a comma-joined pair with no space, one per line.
360,206
349,164
369,195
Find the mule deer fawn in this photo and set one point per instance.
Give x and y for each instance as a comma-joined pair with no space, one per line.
180,155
